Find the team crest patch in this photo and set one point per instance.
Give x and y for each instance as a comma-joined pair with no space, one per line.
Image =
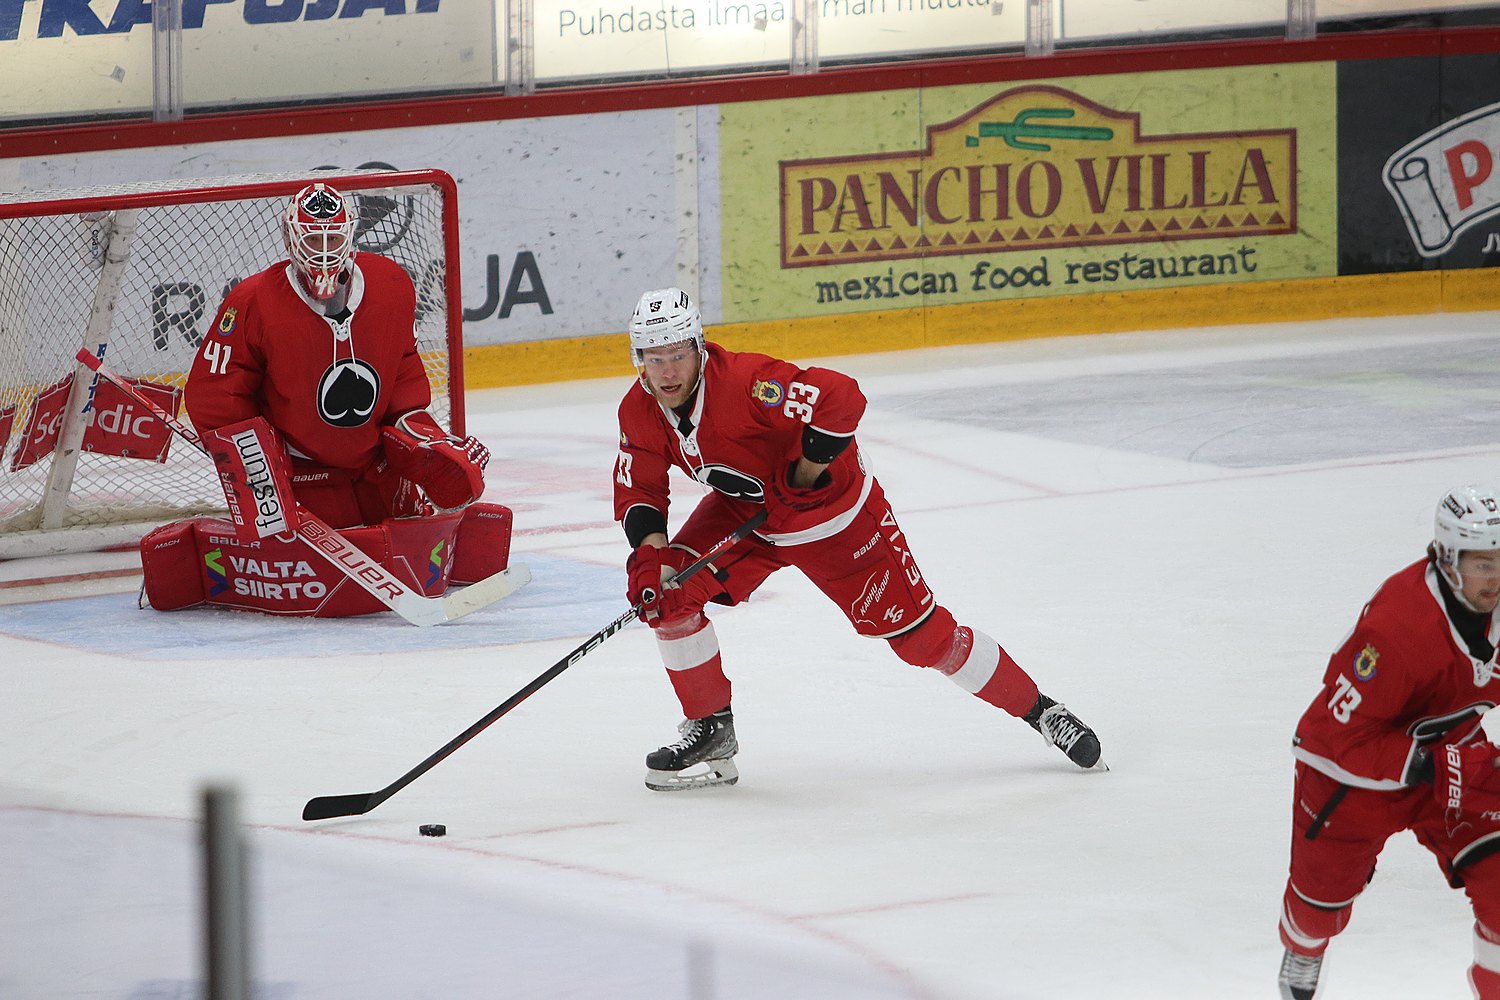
768,391
1364,663
227,321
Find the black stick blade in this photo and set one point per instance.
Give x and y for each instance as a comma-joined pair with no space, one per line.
329,806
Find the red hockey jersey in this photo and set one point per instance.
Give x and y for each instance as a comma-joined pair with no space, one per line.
327,385
746,421
1403,678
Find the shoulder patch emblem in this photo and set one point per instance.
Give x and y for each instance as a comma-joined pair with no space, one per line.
624,441
768,391
1364,662
227,321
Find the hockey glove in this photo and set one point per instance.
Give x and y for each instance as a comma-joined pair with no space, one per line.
449,469
784,494
1467,784
645,570
651,569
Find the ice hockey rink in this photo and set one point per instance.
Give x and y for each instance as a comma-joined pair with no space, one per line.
1171,531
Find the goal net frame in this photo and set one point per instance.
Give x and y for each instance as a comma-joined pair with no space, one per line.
98,268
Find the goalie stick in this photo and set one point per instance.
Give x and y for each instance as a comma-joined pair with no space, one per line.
345,557
330,806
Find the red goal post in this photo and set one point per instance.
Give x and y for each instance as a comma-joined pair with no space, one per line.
137,271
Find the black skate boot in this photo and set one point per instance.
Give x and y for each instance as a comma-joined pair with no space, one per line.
1067,732
1299,975
708,742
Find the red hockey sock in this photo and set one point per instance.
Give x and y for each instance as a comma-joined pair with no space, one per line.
1010,688
690,652
1306,926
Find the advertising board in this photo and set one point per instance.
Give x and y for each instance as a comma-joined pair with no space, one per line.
1005,191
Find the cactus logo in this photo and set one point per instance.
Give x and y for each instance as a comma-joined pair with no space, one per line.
435,565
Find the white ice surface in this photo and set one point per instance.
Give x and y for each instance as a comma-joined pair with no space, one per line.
1170,531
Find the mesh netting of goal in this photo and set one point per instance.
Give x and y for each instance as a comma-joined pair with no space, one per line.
174,248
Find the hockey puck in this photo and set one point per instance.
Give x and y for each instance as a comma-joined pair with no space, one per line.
432,830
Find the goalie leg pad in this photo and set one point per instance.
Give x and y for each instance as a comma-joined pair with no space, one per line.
482,547
255,476
423,550
170,566
203,560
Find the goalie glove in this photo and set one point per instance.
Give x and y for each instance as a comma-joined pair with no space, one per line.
449,469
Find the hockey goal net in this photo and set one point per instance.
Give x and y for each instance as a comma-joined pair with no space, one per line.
138,272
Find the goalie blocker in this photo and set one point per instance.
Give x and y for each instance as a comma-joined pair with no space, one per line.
206,560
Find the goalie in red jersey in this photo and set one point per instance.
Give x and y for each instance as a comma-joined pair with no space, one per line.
758,431
1393,742
308,382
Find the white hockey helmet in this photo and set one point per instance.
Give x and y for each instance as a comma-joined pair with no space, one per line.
318,226
665,316
1468,518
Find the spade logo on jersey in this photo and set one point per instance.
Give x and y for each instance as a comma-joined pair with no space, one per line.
347,393
732,483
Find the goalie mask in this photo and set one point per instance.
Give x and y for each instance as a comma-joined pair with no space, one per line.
1468,518
663,317
318,228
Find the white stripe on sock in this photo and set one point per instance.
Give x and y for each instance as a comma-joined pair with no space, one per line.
979,667
1290,928
689,651
1486,953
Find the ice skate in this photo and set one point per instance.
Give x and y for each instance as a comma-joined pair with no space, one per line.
1299,975
1061,728
704,757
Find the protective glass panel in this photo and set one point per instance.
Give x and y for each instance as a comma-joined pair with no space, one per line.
850,30
60,61
620,39
1114,22
258,56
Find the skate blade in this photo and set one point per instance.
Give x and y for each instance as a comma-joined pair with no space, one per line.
705,775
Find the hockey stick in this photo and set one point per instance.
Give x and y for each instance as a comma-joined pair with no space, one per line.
375,579
329,806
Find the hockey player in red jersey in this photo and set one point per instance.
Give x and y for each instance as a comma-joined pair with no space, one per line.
311,367
759,431
323,346
1393,742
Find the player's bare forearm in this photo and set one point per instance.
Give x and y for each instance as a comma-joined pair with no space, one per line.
806,473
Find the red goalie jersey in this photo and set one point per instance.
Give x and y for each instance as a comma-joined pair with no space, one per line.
745,422
1403,679
326,384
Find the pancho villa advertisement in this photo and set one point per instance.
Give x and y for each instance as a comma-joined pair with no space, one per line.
1096,184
